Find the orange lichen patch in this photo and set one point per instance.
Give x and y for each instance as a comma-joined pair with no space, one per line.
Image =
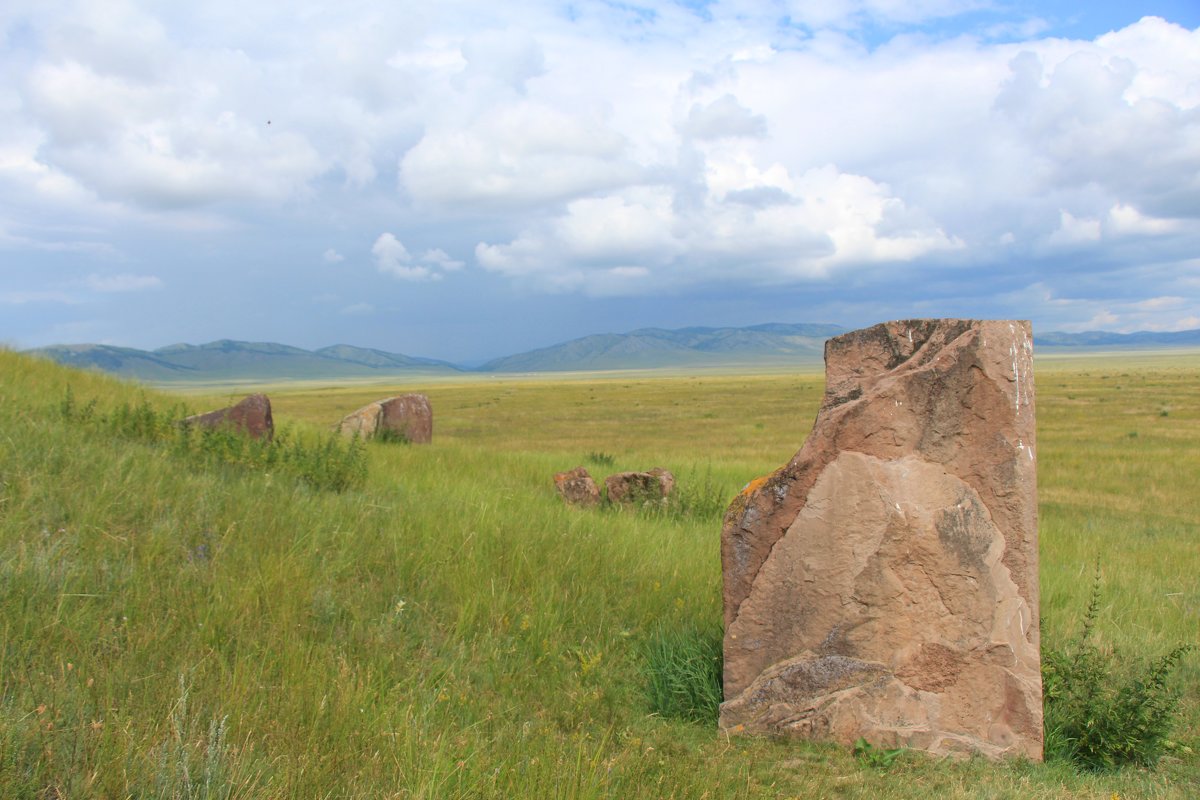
754,485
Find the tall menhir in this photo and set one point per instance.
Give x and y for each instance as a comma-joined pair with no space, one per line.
884,583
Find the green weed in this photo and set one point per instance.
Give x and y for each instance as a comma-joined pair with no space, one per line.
1102,711
880,758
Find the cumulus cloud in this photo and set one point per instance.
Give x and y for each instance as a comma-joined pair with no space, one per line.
516,156
438,258
1074,230
392,258
618,149
828,222
1125,219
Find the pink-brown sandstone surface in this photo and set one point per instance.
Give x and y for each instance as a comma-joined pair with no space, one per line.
252,416
577,487
883,584
408,415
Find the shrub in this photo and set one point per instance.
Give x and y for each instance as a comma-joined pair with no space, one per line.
684,666
1101,711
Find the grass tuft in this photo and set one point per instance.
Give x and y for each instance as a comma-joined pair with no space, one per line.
683,670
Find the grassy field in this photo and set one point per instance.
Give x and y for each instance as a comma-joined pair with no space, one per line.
172,628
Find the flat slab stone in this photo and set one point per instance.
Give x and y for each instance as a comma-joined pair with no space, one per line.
883,584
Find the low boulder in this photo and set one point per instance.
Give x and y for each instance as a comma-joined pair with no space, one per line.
407,416
640,488
577,488
251,416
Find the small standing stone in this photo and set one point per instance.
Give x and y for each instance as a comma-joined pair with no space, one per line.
407,416
252,416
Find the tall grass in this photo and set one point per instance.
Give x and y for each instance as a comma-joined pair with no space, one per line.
447,628
683,669
324,461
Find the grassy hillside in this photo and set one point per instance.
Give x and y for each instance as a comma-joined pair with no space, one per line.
177,628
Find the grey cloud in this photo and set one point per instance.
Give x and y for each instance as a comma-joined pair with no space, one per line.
760,197
724,117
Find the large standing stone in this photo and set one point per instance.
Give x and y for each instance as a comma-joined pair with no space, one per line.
408,416
577,488
884,582
252,416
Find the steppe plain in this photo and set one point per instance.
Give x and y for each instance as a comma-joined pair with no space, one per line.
450,629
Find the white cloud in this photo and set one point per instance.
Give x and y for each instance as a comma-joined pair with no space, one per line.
438,257
825,222
1074,230
619,149
392,258
164,145
1125,219
514,156
1158,304
20,298
124,282
358,310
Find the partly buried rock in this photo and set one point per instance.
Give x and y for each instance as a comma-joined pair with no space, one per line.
577,487
408,417
252,416
639,488
884,583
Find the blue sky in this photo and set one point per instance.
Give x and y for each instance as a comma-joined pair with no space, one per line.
464,179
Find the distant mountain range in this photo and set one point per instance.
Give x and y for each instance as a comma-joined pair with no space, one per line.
230,360
773,344
654,347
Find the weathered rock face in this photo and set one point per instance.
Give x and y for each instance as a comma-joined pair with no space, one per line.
635,488
884,582
251,416
408,415
577,488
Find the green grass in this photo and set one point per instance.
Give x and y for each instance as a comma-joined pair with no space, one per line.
175,628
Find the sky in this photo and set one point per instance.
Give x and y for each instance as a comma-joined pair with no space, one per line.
465,180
